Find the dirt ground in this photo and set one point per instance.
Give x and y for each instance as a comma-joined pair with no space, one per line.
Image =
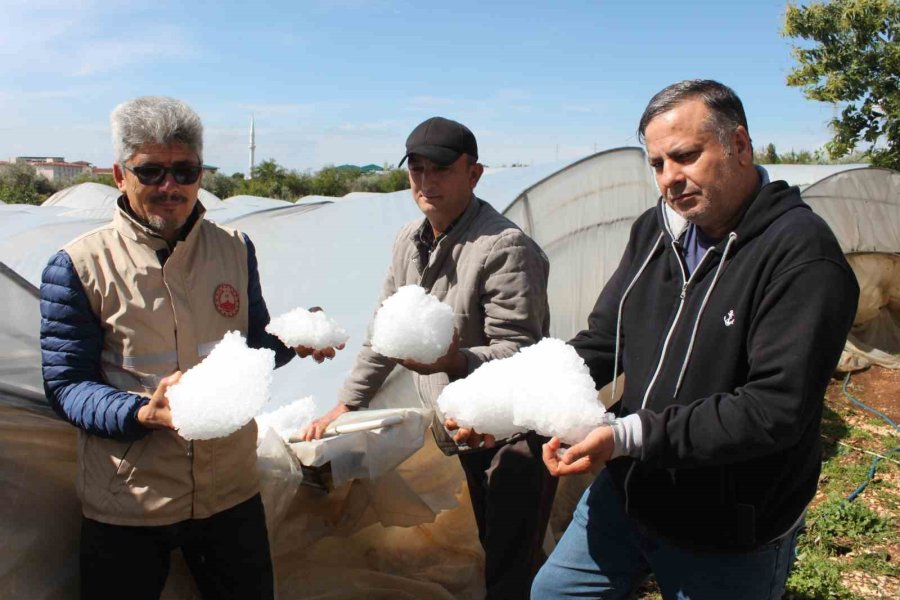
877,387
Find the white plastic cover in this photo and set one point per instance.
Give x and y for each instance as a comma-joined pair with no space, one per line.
367,454
862,207
20,375
805,175
581,217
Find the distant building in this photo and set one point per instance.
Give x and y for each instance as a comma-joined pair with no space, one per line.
34,159
55,168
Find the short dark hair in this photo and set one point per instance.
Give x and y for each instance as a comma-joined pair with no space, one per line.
725,108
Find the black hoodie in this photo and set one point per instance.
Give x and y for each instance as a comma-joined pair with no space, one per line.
727,371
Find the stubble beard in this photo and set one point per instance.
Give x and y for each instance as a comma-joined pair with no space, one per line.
160,224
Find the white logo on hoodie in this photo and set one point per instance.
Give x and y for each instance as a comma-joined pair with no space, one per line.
729,318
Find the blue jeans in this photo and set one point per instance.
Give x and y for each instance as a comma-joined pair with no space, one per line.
606,554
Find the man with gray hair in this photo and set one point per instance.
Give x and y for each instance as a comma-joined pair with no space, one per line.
125,309
727,315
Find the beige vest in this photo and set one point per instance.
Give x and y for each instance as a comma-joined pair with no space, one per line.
155,321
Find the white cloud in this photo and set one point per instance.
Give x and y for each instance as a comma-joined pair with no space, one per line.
73,38
106,55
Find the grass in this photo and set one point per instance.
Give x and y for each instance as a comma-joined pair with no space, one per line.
846,550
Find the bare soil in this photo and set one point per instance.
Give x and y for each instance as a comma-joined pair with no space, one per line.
878,388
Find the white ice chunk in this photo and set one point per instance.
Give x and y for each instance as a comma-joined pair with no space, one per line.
300,327
288,419
413,324
545,387
224,392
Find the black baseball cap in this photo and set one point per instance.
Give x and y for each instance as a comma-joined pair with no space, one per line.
440,140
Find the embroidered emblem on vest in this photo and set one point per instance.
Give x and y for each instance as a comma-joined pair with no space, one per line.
226,300
729,318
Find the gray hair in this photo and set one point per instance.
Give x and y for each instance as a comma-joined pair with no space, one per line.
154,120
726,111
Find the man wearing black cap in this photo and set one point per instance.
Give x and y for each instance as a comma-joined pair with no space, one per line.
495,277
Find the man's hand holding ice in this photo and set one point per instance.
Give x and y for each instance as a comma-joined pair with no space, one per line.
157,414
587,455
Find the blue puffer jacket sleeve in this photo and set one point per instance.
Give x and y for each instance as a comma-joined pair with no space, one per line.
71,343
257,336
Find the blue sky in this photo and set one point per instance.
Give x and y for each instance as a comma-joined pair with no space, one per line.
345,81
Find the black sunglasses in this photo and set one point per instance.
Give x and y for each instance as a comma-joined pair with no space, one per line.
182,173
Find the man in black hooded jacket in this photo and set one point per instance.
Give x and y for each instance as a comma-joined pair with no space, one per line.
727,315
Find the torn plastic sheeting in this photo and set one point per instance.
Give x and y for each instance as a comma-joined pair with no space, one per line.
375,538
279,477
367,454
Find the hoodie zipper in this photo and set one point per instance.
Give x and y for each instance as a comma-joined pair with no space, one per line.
732,237
682,300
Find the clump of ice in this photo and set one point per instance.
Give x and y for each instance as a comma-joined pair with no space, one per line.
222,393
545,387
288,419
413,324
300,327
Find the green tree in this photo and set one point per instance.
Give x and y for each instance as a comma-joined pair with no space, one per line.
804,157
296,185
388,181
268,170
270,180
331,181
852,59
101,178
221,185
20,184
767,155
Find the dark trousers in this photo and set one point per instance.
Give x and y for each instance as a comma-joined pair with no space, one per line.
512,494
228,555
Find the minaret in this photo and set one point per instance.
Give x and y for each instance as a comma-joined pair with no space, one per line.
252,149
